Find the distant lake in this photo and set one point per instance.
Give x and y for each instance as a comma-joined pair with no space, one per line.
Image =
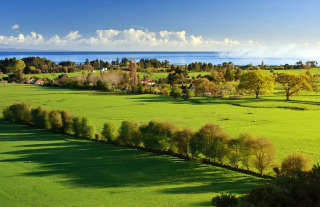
180,58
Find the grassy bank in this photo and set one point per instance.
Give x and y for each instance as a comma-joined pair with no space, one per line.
67,172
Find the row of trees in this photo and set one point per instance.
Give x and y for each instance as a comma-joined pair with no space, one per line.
210,141
57,121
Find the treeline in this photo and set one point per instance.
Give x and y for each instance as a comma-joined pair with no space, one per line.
209,142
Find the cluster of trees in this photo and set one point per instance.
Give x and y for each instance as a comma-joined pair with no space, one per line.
57,121
295,185
259,82
210,141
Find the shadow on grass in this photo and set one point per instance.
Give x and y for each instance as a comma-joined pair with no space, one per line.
98,165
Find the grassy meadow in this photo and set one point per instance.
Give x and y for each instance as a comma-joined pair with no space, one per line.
70,172
292,126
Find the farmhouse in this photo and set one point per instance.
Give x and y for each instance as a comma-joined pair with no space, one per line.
39,82
149,82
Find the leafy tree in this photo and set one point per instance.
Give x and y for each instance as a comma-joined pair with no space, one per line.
55,120
203,85
213,141
158,135
182,140
263,153
87,129
129,133
109,132
257,81
293,83
176,92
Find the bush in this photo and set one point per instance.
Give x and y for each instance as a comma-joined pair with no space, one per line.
109,132
129,133
76,126
87,130
19,112
55,121
158,135
294,163
227,200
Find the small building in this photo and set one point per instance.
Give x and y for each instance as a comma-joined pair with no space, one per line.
39,82
149,82
102,69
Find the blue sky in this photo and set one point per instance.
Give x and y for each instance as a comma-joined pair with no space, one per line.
202,25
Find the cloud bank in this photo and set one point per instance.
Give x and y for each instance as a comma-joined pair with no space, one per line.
143,40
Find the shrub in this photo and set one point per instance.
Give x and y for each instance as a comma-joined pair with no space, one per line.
182,140
87,130
293,163
158,135
109,132
55,120
76,126
129,133
224,200
19,112
66,122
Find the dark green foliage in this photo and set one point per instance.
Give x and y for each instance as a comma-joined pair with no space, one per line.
182,140
76,126
129,133
189,94
66,125
302,189
176,92
19,112
109,132
87,130
224,200
213,141
55,120
158,135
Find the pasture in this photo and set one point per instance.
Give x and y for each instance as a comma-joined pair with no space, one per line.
291,126
40,168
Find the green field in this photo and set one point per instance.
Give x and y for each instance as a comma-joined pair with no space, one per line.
70,172
293,127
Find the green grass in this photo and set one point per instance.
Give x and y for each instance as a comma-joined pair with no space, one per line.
293,127
70,172
313,71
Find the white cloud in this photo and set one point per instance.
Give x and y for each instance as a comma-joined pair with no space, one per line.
142,39
15,27
73,35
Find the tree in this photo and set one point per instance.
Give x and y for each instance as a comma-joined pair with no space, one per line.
202,86
293,83
133,73
264,154
129,133
182,139
213,141
293,163
109,131
176,92
17,65
257,81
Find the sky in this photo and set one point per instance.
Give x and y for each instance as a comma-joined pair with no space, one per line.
243,27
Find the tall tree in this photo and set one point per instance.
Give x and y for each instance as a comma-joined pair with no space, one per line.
257,81
293,83
133,73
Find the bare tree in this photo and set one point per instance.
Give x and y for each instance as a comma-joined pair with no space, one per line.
264,154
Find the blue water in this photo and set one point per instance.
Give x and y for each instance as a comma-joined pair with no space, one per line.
180,58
